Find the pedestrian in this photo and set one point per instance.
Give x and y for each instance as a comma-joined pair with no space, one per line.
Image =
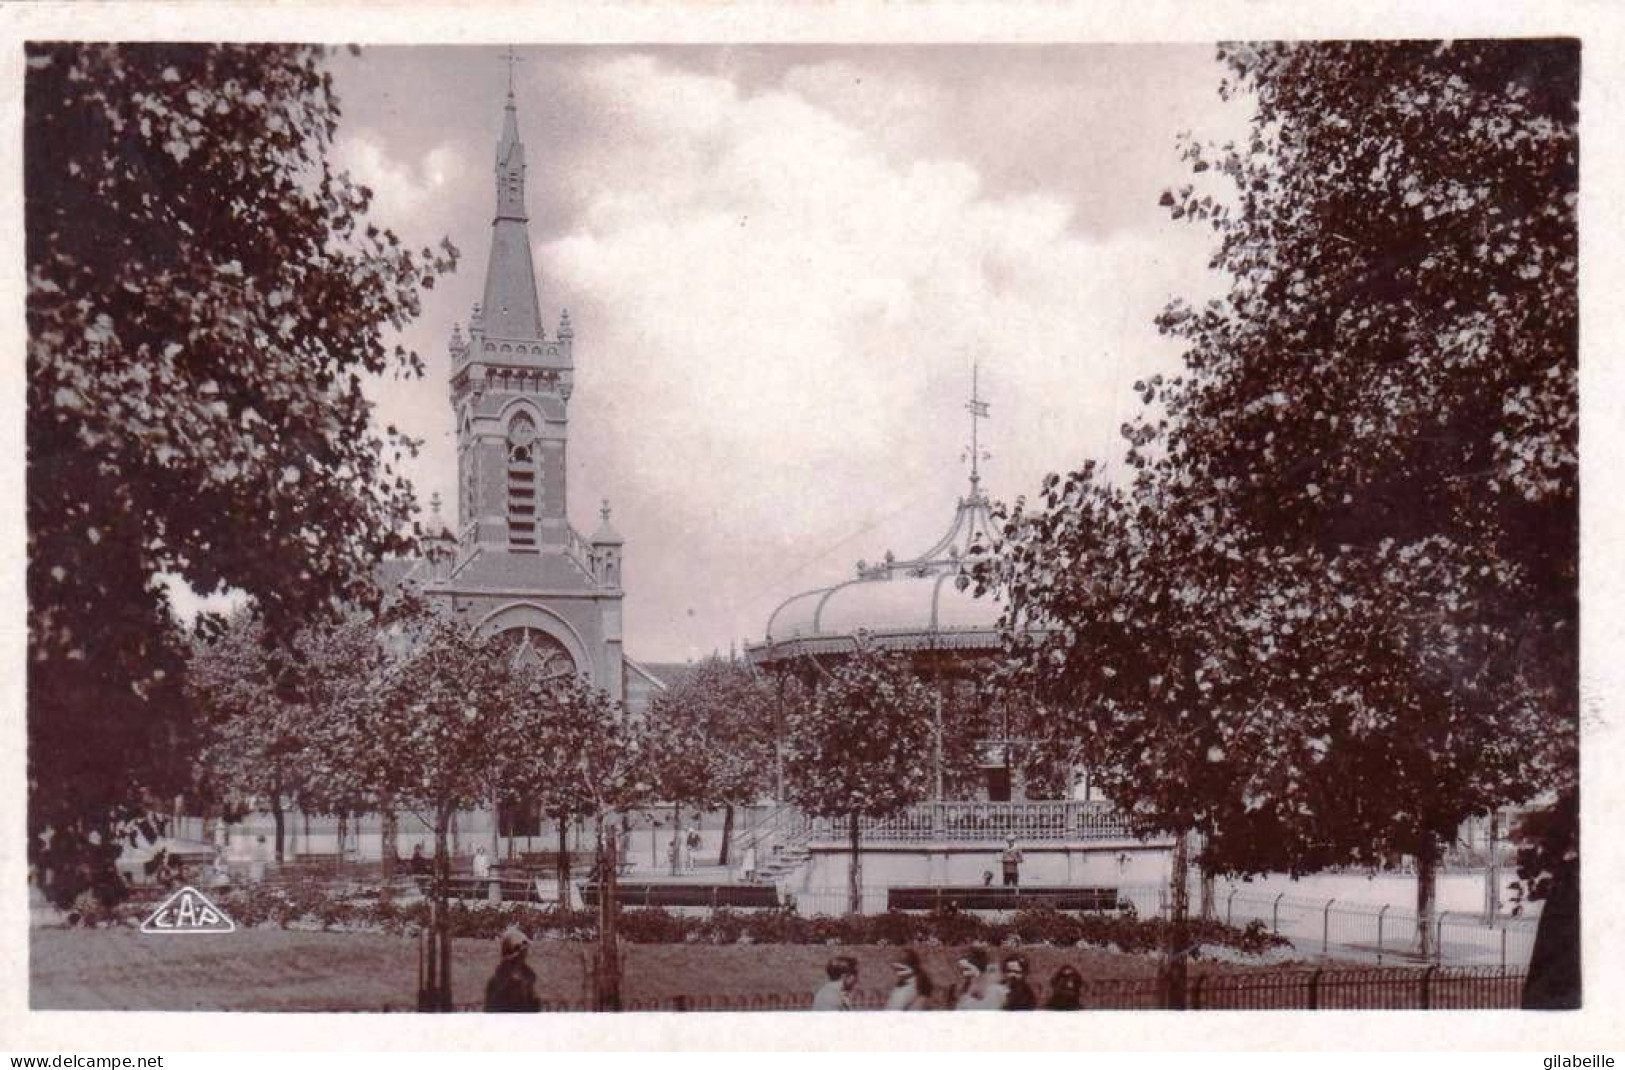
747,865
836,994
980,988
691,843
420,864
914,988
1064,989
512,986
1018,991
1011,861
220,876
482,863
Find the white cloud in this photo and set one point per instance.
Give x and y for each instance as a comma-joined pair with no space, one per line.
781,313
401,190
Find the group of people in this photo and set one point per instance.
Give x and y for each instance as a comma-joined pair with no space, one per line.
984,984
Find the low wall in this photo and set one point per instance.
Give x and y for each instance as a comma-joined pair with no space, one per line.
1097,865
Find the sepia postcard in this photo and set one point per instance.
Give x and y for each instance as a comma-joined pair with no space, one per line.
661,522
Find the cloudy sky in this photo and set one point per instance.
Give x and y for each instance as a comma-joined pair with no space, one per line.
781,263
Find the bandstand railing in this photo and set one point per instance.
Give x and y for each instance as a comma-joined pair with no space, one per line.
1046,820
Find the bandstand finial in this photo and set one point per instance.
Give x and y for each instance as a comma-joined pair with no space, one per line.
978,410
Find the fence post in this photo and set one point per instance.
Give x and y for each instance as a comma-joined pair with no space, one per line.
1275,914
1503,947
1196,991
1228,903
1438,936
1326,927
1314,989
1380,913
1427,978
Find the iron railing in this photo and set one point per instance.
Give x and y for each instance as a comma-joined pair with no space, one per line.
1068,820
1394,988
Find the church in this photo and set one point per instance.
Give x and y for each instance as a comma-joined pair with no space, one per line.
516,564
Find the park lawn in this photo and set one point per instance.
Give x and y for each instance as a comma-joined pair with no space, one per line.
290,970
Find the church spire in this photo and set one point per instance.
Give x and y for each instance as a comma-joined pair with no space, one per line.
510,305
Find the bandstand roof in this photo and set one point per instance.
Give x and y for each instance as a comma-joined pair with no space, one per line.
899,605
911,604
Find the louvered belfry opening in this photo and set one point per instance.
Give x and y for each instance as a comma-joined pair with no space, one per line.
522,482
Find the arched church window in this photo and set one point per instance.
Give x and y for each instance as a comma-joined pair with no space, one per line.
523,486
527,649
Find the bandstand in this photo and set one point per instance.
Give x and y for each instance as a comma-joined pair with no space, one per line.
913,607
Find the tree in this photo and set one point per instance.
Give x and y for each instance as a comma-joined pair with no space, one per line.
1347,561
858,745
205,298
1388,395
711,741
581,757
255,725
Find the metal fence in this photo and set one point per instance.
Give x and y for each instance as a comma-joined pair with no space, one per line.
1394,988
1382,934
1333,928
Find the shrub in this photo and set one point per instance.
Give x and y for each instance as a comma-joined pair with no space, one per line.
652,925
894,927
308,903
954,927
1047,926
783,926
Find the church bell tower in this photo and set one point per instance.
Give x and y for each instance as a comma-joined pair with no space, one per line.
510,387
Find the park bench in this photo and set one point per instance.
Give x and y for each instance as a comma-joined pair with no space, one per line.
548,861
732,896
1000,898
467,886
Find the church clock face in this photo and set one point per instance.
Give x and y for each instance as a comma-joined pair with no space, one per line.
522,433
534,649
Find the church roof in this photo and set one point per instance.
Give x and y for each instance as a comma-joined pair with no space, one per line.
510,305
548,571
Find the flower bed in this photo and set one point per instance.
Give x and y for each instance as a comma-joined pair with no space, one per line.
311,906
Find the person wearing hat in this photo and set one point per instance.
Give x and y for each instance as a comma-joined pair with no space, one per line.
1010,861
513,986
1018,991
980,986
836,995
914,987
1065,990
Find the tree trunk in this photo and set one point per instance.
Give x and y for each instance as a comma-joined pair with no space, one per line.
343,836
564,863
727,833
496,826
607,976
389,837
1553,980
1427,885
854,873
1172,974
676,849
1208,896
281,824
440,906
